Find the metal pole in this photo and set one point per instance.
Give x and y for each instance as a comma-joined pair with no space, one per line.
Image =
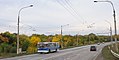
61,35
18,27
114,16
110,33
115,37
89,39
18,36
61,38
110,30
77,39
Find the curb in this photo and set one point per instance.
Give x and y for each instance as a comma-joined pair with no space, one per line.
114,54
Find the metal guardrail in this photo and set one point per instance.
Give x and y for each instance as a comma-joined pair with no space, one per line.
115,54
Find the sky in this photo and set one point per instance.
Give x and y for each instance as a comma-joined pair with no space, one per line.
47,16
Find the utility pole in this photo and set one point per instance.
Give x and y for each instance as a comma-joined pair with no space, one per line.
61,38
110,30
62,45
114,17
18,26
77,39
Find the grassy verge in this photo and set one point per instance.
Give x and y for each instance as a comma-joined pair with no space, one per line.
107,54
8,55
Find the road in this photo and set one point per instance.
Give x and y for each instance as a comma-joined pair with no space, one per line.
78,53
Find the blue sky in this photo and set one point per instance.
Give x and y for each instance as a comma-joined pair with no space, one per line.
47,16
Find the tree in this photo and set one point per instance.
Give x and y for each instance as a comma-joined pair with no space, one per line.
24,42
34,40
66,41
42,37
55,39
5,47
92,37
11,37
3,39
33,44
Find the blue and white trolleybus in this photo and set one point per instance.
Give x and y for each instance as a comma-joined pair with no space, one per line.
47,47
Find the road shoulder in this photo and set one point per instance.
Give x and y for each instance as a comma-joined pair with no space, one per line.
100,57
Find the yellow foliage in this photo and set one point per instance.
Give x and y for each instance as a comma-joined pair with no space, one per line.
59,36
31,49
33,44
34,40
65,38
55,39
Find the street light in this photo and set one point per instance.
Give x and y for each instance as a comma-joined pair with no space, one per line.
110,29
77,35
18,26
90,26
114,16
61,35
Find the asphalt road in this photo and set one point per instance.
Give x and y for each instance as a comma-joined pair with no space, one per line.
78,53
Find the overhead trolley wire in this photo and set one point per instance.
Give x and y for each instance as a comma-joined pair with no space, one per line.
68,6
66,9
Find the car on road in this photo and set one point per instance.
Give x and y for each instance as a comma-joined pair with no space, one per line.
93,48
98,43
103,42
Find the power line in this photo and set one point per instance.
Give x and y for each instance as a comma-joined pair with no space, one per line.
76,10
69,5
68,9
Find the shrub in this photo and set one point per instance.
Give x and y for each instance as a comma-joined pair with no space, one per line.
13,50
5,47
31,49
1,49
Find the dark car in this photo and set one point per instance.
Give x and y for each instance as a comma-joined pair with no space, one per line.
93,48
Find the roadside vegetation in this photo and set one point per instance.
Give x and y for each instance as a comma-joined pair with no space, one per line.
107,55
28,44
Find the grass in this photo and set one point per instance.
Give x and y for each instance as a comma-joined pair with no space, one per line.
113,48
8,55
107,55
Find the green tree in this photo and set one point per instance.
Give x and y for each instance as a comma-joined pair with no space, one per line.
92,38
24,42
5,47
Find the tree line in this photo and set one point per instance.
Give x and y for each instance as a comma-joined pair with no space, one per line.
8,41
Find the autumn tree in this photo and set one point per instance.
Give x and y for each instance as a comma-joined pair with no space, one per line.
33,44
57,38
3,39
66,41
11,37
